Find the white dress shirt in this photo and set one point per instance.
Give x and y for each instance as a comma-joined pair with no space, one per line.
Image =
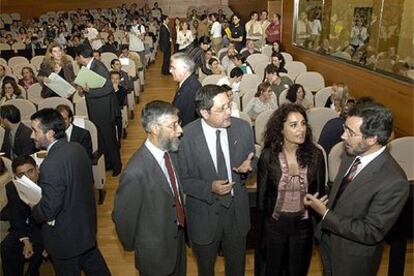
216,30
69,132
159,156
210,135
365,160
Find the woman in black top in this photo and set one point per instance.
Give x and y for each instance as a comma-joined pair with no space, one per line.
289,167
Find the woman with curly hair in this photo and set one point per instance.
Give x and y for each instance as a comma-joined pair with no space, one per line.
289,167
9,91
28,77
55,61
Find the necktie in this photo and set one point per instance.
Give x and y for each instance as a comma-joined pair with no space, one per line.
347,179
225,200
178,207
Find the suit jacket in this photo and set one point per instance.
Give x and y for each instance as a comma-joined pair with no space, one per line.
46,70
165,39
67,198
197,172
145,216
23,144
184,99
83,137
102,103
355,229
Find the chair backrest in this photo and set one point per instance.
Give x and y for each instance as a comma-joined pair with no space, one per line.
311,81
8,165
255,59
17,60
325,159
18,46
322,96
4,47
17,69
282,97
16,16
33,93
259,69
130,68
211,79
267,50
2,131
402,149
288,57
317,118
295,68
246,117
24,93
334,160
25,107
107,57
37,61
3,62
249,82
221,51
260,126
93,132
53,102
81,109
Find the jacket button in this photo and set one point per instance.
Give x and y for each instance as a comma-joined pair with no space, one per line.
173,206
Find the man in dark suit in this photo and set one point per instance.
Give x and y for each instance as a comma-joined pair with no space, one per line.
215,155
165,45
24,240
148,209
103,109
17,135
182,69
367,196
67,209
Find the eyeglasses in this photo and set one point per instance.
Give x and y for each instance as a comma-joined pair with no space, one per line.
349,131
174,126
222,109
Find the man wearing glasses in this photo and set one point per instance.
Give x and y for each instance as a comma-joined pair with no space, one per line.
215,155
367,196
148,209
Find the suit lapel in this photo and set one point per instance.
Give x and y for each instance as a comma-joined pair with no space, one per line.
165,186
232,139
345,164
364,177
201,144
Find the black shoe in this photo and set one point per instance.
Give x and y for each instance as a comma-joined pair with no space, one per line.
102,194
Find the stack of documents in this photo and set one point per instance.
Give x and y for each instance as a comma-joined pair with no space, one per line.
90,79
29,192
60,86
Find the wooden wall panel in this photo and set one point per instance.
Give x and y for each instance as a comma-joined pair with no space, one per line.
397,95
245,7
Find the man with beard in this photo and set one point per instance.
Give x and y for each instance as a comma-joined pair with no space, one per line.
148,209
367,196
67,210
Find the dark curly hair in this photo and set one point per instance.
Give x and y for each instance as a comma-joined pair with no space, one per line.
273,136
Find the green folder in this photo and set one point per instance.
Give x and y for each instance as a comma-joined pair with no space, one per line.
87,77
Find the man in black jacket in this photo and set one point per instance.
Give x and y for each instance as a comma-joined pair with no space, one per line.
17,136
67,209
165,45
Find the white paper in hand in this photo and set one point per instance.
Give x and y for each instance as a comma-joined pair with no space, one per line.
60,86
29,192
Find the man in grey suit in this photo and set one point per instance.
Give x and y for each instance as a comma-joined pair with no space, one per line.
367,196
148,209
215,155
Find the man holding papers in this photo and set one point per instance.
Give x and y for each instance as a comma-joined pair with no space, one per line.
24,240
103,108
67,209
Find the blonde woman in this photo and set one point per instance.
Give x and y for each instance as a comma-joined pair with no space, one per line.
55,61
263,100
338,98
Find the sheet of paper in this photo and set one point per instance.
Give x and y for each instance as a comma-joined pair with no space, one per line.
124,61
29,192
60,86
89,78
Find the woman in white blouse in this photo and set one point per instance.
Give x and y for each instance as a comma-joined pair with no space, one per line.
215,33
263,100
184,37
